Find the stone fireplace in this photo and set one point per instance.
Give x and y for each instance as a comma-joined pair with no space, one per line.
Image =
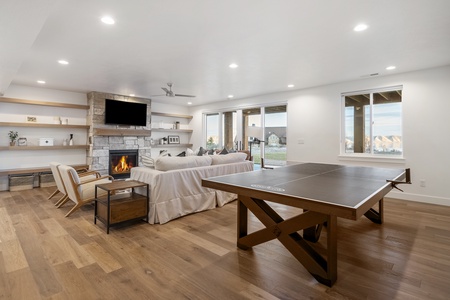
106,138
121,162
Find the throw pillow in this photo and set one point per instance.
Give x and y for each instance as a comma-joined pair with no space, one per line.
189,152
163,153
148,161
224,151
202,151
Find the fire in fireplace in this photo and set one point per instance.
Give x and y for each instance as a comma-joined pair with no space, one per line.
121,162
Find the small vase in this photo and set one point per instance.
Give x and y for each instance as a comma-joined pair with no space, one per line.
12,143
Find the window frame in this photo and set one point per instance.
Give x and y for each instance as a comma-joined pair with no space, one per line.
370,157
205,128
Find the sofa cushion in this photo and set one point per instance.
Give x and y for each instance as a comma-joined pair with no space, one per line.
228,158
176,163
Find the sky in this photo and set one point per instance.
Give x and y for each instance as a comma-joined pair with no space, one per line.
387,120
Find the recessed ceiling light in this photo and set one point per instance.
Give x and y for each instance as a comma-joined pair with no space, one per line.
63,62
230,96
360,27
189,103
233,66
391,68
41,81
291,86
108,20
132,95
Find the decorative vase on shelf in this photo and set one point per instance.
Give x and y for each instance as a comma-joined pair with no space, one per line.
12,143
71,139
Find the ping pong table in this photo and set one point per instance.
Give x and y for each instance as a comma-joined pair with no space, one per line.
323,192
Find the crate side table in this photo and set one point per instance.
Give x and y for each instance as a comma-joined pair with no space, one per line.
115,208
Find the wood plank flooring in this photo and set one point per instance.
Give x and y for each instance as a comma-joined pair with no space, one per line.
44,255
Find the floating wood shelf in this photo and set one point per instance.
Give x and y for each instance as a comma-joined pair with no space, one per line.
172,130
171,115
42,125
122,132
43,103
172,146
15,148
35,170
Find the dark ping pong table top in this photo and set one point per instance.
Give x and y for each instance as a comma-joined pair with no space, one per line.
338,185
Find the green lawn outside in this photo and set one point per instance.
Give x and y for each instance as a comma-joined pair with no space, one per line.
272,155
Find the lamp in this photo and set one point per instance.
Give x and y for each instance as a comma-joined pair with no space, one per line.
255,135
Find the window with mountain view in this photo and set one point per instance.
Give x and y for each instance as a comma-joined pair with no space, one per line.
373,122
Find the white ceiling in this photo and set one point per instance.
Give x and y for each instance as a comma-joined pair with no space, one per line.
192,42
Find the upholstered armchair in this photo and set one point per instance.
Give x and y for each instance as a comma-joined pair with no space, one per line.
80,191
60,188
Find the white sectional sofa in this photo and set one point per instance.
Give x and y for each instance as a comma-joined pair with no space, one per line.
176,184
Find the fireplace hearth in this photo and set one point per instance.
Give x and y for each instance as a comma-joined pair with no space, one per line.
121,162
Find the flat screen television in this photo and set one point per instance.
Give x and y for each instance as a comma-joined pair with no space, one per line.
125,113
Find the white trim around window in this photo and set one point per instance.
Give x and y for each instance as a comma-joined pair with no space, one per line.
356,137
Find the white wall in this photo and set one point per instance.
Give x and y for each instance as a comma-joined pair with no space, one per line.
44,114
169,108
10,112
167,123
314,116
43,94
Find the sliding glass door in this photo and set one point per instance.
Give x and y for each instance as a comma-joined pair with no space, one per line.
252,130
261,130
275,125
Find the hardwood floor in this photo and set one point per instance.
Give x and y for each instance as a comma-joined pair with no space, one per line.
47,256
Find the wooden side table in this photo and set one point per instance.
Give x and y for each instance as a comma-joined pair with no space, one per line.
115,208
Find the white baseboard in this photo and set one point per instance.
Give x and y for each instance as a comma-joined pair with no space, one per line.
419,198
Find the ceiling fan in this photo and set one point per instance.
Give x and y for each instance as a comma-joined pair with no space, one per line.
170,93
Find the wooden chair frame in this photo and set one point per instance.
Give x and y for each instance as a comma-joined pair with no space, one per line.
72,187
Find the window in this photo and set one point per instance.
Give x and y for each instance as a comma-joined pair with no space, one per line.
223,123
373,122
212,131
261,130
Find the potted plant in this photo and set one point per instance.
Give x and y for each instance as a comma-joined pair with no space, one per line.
12,137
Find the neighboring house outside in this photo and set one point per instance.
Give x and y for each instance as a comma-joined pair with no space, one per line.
275,136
